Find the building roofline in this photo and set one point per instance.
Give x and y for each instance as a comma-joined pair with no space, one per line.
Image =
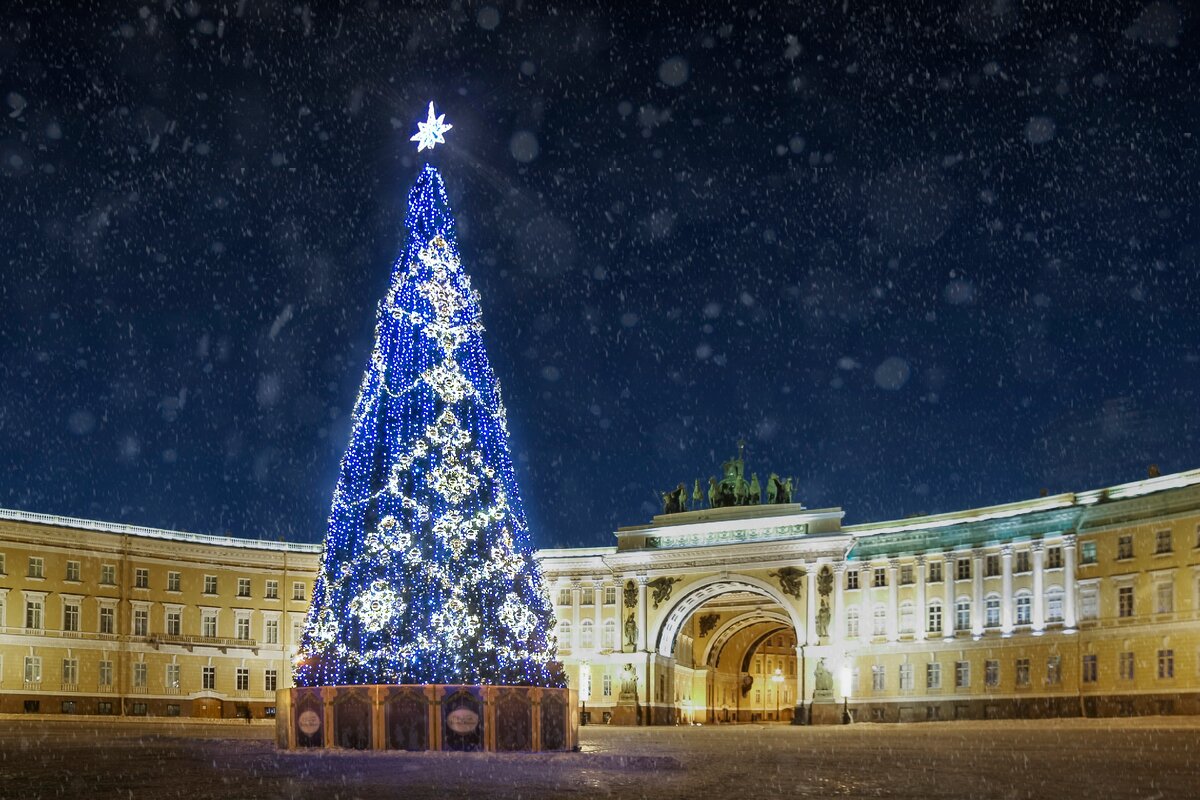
77,523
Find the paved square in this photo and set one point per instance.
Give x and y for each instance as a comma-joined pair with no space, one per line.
1140,758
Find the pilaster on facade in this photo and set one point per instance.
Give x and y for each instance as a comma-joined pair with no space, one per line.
839,602
1038,609
893,590
1069,620
643,614
920,615
810,617
950,607
1006,590
977,558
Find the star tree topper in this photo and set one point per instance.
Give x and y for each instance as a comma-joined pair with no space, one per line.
431,132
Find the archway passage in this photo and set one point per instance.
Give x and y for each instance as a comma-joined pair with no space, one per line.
732,647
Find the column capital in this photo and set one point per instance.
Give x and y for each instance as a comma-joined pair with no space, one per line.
920,559
1006,550
1037,546
1069,541
576,584
839,567
893,564
978,553
643,580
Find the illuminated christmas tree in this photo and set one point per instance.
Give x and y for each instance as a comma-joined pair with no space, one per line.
427,574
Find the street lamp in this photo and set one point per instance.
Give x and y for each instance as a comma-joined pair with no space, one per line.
585,688
777,679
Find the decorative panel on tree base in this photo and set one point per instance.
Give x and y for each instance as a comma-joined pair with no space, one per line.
427,717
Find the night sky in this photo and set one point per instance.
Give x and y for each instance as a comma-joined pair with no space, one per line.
921,257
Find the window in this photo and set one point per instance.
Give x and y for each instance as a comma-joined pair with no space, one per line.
1054,558
1090,668
564,597
1162,541
72,570
33,669
1164,597
852,623
1022,673
174,622
243,679
991,609
564,633
298,590
272,590
906,575
106,673
1087,553
991,566
962,615
104,707
1125,546
962,674
933,676
1054,605
1166,663
141,621
609,641
108,575
70,616
141,578
1089,602
878,678
172,709
70,671
270,680
906,677
3,571
208,678
934,617
907,617
991,673
33,613
587,597
138,710
587,636
1197,544
1024,609
243,587
210,584
610,596
139,674
606,685
271,631
173,580
879,627
935,572
964,569
243,628
852,579
208,624
37,567
1125,601
879,578
1023,564
297,630
1053,670
1125,663
172,679
108,618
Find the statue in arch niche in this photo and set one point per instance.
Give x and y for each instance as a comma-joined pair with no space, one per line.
823,616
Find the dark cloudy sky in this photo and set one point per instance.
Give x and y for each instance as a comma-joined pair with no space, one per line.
920,256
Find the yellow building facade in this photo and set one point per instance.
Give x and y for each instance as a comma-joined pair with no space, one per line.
1082,603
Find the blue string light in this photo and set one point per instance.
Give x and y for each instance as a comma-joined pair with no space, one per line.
427,573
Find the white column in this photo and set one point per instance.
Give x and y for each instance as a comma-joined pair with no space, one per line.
800,682
1006,590
949,572
1068,583
977,593
893,619
1038,611
839,602
643,617
598,613
810,616
865,624
576,589
920,621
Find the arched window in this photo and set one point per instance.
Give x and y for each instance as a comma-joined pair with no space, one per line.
879,627
934,617
962,614
907,614
1054,604
564,634
1024,608
991,611
610,635
587,639
852,622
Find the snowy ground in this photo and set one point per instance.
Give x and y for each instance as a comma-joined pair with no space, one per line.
1145,758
